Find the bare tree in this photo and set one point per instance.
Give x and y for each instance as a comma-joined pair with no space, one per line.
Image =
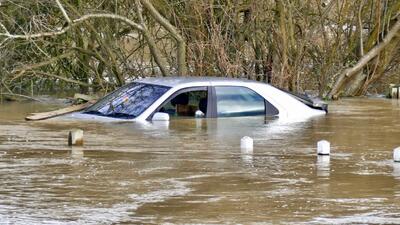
350,72
83,22
335,47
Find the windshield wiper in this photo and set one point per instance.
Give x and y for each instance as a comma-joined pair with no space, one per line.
121,115
94,112
114,114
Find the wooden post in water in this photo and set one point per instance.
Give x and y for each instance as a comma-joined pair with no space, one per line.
75,138
32,88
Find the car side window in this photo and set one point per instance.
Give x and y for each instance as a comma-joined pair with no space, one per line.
239,101
187,104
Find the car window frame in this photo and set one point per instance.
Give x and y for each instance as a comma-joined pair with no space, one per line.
189,89
215,107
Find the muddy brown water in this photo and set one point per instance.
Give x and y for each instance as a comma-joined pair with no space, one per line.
193,171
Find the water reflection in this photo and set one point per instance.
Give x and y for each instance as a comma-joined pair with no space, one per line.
247,159
158,125
396,170
193,171
323,165
77,153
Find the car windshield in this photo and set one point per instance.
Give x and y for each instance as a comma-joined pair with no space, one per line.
128,102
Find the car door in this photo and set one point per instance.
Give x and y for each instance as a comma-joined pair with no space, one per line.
239,101
188,103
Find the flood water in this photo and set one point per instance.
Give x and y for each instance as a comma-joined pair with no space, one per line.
193,171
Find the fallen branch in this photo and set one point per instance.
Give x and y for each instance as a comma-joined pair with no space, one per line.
350,72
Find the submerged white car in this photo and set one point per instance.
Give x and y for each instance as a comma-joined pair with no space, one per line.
204,97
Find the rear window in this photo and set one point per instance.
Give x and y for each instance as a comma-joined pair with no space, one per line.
128,101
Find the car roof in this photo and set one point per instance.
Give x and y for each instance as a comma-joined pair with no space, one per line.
175,81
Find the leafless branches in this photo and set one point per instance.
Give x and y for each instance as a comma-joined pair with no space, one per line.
337,47
63,11
63,30
349,73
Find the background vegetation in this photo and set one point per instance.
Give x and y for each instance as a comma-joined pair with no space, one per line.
337,47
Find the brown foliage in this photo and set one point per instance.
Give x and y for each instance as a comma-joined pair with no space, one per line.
293,44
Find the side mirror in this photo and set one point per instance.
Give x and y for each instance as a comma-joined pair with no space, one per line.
159,116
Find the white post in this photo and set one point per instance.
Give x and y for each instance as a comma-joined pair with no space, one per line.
75,138
323,148
396,154
395,92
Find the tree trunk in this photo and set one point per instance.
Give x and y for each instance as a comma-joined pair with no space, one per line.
181,45
349,73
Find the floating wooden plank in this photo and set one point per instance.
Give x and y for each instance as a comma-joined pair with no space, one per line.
59,112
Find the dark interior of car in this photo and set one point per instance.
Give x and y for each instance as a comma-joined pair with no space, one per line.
186,104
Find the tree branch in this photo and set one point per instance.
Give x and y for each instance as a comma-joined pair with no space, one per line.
150,41
21,71
72,24
63,11
4,28
350,72
140,27
181,54
61,78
